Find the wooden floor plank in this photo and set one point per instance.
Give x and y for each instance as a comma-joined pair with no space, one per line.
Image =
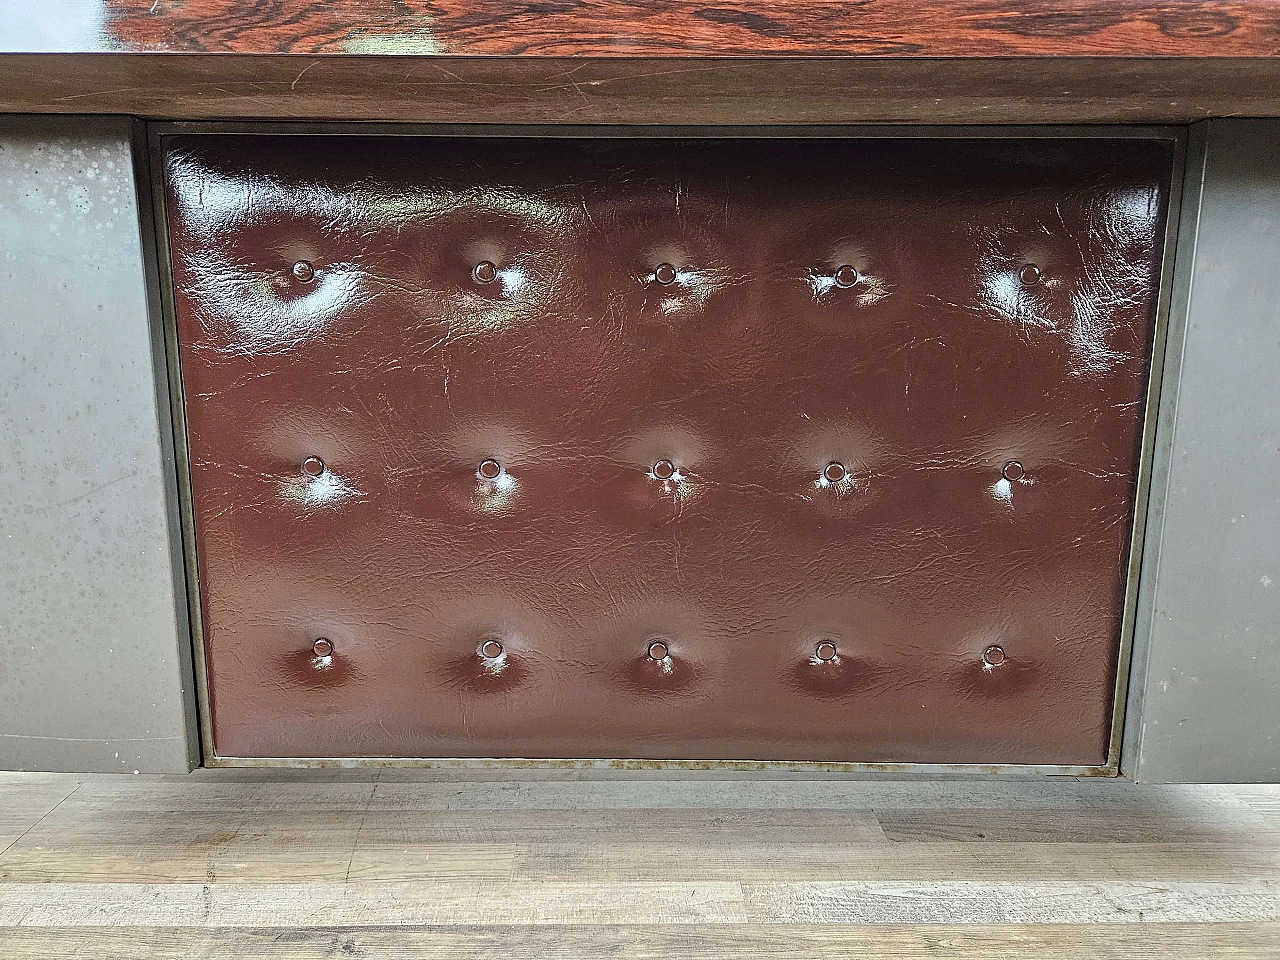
380,903
634,859
1139,941
166,796
949,901
673,825
1132,823
873,796
1263,798
242,854
108,845
388,903
25,798
127,829
565,865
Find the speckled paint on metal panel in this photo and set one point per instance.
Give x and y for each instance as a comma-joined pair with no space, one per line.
94,650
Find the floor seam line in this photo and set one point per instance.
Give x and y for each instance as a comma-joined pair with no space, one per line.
355,845
18,839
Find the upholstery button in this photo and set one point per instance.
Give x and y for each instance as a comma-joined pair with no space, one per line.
485,272
303,272
825,651
323,647
658,650
993,656
490,469
1013,470
664,469
846,276
664,273
313,466
1029,274
834,472
491,649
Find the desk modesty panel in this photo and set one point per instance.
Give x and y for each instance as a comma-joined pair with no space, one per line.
701,449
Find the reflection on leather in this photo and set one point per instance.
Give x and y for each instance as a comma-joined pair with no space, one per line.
574,394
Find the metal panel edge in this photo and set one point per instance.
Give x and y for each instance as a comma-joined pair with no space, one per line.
173,468
169,380
1162,415
1179,251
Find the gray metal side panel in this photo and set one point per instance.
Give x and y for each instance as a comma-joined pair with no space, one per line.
1210,697
94,649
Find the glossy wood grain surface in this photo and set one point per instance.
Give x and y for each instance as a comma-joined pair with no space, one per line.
578,28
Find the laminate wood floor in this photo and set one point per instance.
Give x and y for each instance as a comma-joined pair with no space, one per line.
580,866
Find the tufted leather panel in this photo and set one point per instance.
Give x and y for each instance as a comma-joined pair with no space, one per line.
710,448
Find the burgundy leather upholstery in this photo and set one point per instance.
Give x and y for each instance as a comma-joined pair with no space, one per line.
706,434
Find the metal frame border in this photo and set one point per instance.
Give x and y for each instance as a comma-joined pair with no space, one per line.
1178,135
1179,276
172,436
